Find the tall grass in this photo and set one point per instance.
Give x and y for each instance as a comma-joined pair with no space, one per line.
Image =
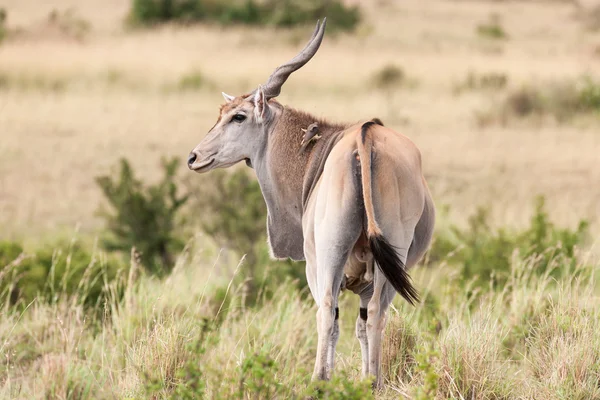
192,334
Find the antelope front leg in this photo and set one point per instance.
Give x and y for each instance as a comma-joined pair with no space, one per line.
325,328
335,335
331,257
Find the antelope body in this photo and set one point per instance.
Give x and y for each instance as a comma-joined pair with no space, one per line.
355,198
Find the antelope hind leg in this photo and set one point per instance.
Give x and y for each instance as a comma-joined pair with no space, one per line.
361,328
383,294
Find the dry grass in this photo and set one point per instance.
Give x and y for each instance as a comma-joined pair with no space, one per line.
536,338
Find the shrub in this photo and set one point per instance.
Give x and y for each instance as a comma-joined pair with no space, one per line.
389,75
295,12
144,216
26,82
2,24
53,272
249,12
234,214
426,365
492,29
561,100
257,377
485,81
154,11
191,81
524,102
484,253
588,94
341,388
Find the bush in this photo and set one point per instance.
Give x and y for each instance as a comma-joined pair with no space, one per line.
485,81
26,82
235,214
144,216
147,12
485,254
191,81
53,272
492,29
560,100
341,388
426,365
2,24
588,94
248,12
390,75
524,102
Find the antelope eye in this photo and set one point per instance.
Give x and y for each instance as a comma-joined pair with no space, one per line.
238,117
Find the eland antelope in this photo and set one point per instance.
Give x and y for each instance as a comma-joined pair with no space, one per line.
355,198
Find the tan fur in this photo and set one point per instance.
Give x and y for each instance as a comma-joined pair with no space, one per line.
397,206
364,153
358,271
288,164
317,206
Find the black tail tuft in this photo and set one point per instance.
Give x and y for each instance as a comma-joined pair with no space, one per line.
389,263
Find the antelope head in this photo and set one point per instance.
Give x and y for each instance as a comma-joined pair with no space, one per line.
244,121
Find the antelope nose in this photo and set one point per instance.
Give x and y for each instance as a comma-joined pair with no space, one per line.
191,158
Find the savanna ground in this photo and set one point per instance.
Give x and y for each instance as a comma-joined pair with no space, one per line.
77,96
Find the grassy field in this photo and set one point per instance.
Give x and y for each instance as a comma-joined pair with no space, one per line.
80,90
533,340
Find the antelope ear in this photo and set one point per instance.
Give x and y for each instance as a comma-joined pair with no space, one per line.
261,106
227,97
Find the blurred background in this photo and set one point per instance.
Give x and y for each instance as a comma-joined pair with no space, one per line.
102,100
500,97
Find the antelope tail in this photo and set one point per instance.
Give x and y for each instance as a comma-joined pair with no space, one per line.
385,254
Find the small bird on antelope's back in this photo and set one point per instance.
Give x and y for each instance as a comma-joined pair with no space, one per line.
311,133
